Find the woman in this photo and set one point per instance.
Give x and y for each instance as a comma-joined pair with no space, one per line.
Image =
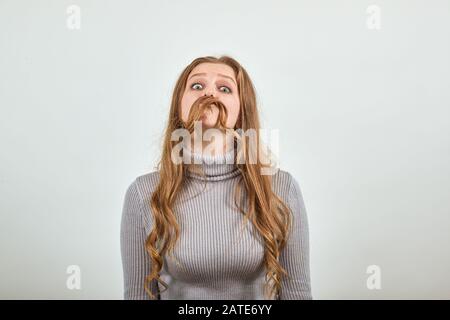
218,224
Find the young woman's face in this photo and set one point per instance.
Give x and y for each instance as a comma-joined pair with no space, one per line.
214,79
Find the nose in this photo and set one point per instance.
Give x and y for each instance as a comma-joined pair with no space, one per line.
210,92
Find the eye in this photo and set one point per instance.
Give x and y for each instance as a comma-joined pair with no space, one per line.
227,90
196,84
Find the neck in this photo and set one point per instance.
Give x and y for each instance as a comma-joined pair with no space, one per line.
214,167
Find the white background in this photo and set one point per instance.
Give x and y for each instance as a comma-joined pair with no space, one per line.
363,116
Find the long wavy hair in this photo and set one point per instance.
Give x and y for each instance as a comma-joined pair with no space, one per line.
270,216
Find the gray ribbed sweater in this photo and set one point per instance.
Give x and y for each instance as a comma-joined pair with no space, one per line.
214,258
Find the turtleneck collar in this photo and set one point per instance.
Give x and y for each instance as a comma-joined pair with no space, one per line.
215,168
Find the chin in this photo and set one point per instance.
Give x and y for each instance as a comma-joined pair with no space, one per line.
208,123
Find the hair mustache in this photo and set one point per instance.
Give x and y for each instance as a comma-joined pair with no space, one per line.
200,106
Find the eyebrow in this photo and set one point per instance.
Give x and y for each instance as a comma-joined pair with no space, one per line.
219,74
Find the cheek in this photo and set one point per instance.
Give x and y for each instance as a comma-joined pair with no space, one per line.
186,102
233,107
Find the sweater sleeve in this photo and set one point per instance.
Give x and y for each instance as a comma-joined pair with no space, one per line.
135,259
295,256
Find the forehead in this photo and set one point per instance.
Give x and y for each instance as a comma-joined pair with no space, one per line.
213,68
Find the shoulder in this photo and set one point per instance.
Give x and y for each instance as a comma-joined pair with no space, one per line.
142,186
288,188
138,196
146,184
285,185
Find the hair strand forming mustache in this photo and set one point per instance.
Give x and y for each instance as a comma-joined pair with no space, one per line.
203,104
